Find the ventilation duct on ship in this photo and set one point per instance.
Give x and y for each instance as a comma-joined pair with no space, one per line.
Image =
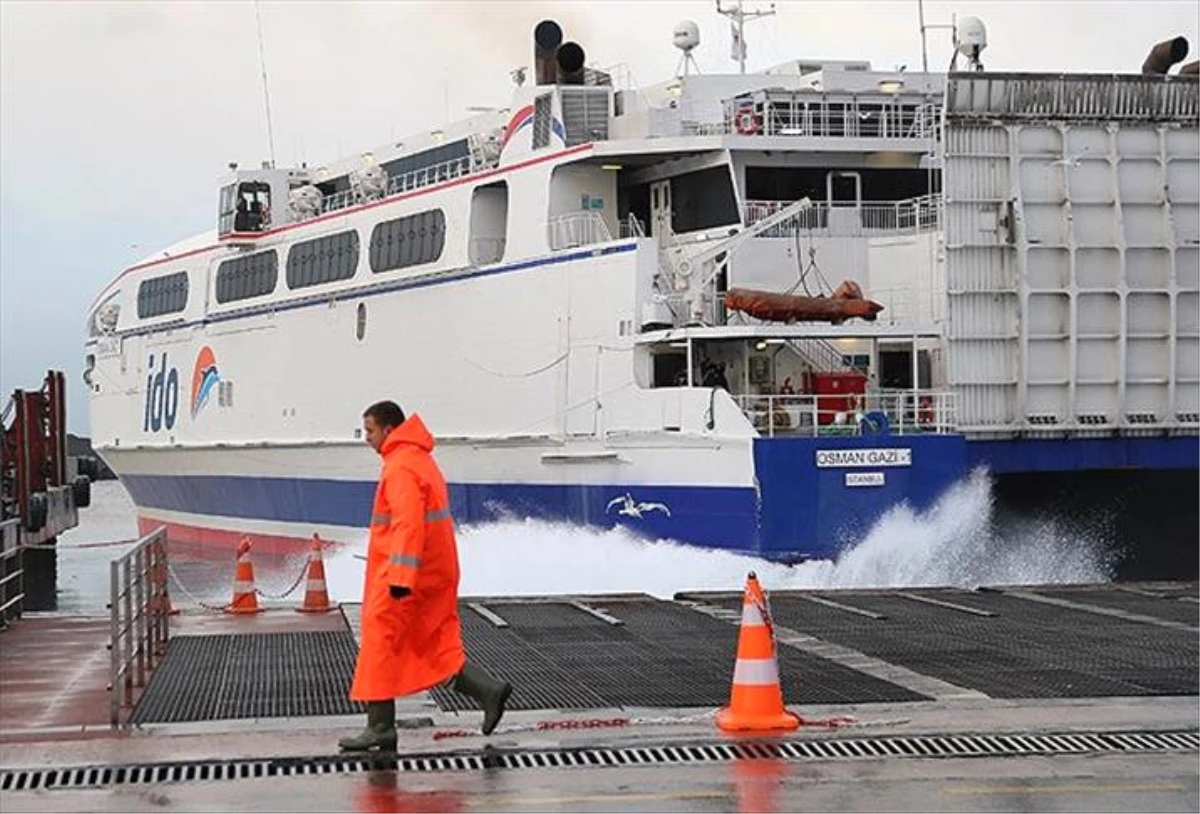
1191,69
547,36
1164,55
570,64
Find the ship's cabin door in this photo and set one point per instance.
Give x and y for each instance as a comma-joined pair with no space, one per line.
660,208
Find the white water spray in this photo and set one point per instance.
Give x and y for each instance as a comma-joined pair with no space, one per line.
955,542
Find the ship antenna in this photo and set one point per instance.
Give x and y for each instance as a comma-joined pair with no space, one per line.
737,23
262,59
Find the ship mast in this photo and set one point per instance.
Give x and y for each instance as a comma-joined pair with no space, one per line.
738,17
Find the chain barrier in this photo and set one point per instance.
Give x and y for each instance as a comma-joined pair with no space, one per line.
192,596
105,544
764,610
227,605
288,592
832,722
577,724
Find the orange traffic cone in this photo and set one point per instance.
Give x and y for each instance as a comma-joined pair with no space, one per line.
245,596
756,701
316,596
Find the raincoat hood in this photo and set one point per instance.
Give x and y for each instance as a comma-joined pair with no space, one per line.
412,431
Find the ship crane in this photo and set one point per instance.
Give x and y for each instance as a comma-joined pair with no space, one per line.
684,265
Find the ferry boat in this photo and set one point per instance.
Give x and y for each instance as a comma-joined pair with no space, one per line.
742,311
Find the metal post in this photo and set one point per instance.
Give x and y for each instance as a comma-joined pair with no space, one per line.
138,622
924,45
161,603
114,642
916,384
126,633
164,630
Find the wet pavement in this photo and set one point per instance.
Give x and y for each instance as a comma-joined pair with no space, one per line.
54,713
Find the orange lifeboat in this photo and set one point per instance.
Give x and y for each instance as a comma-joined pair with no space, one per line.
846,303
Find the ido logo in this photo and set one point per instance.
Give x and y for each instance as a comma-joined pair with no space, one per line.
162,395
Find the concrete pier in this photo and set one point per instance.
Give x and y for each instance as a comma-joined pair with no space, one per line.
614,705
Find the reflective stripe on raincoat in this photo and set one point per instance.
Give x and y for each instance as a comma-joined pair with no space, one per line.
411,644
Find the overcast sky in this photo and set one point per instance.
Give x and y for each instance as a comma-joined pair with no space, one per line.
116,118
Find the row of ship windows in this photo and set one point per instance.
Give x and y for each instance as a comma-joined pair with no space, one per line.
395,244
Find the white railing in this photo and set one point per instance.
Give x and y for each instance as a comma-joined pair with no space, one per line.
820,354
632,227
577,229
851,220
906,412
424,177
799,118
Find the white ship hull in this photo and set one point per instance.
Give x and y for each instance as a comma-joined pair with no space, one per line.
546,289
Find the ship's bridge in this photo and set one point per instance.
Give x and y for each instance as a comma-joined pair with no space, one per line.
252,202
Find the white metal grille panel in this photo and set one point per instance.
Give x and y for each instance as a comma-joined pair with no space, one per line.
1075,305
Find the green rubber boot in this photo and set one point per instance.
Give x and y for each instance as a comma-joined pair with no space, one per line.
380,732
490,693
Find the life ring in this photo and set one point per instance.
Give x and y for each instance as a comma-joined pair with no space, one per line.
746,122
875,423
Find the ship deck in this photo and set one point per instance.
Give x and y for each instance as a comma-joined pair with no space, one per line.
1011,699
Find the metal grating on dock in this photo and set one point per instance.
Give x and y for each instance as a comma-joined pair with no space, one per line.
561,656
1165,606
1023,649
266,675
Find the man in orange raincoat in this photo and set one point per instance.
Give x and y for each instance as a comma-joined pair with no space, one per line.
411,640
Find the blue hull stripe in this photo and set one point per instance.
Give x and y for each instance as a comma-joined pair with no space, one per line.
798,509
719,517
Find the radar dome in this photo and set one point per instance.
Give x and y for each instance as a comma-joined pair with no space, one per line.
970,36
686,36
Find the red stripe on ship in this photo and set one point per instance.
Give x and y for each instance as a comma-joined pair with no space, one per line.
350,210
515,123
203,543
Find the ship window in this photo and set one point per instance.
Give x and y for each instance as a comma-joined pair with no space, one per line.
244,277
244,207
409,241
702,200
323,260
162,295
542,108
794,183
489,222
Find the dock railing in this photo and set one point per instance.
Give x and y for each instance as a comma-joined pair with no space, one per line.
139,608
12,572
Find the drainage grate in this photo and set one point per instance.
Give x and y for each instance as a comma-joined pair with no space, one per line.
926,746
266,675
1024,650
661,655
